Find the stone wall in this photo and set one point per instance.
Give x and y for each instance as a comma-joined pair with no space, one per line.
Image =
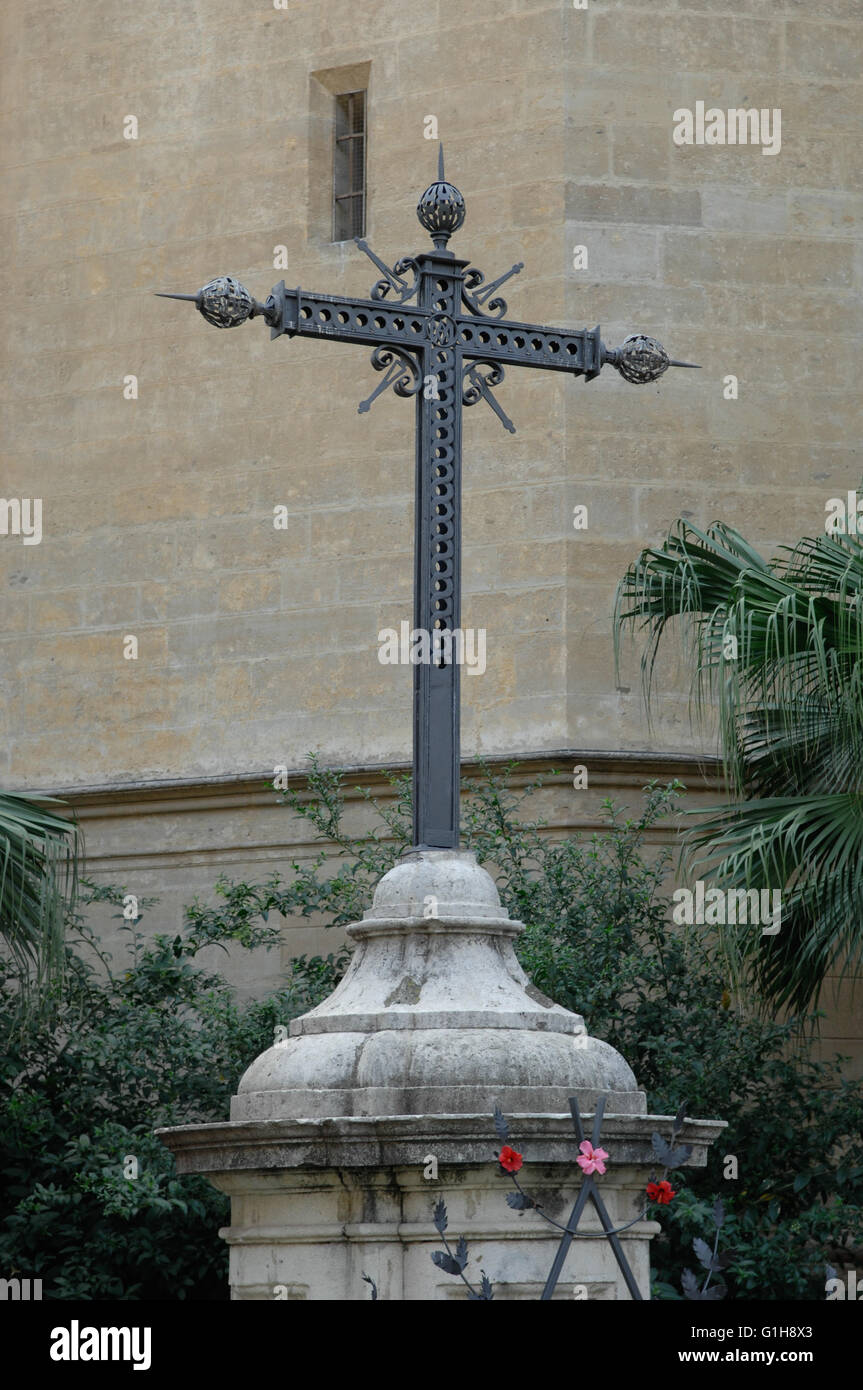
255,644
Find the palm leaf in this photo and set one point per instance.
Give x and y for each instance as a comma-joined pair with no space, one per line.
790,711
38,880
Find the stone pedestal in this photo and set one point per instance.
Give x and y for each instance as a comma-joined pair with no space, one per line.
398,1072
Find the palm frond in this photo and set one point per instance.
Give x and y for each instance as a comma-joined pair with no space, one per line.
777,649
39,853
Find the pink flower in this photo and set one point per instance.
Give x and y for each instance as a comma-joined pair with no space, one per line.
591,1160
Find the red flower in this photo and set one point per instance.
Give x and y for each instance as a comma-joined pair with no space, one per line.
510,1159
661,1192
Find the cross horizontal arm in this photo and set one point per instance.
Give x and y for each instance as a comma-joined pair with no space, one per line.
579,351
298,312
306,314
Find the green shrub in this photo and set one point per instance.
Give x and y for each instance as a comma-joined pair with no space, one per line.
598,941
84,1084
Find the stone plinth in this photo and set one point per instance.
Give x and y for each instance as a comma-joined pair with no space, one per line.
434,1024
315,1204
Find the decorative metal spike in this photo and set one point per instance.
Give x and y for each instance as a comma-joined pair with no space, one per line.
392,283
440,172
402,374
224,302
476,387
475,293
397,284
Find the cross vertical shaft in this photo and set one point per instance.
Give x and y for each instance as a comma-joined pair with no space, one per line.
437,573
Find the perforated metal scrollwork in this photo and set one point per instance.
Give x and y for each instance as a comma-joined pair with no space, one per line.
476,295
477,384
402,374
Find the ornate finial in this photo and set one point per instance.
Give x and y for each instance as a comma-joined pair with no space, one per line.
441,208
224,302
641,360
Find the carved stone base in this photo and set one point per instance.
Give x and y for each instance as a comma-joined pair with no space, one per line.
315,1205
434,1016
400,1069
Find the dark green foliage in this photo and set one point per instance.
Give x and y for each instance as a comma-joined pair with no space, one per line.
84,1084
598,941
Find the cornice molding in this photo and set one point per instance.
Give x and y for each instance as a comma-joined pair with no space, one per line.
606,767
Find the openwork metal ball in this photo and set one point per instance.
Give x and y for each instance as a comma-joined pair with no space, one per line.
441,211
641,359
225,302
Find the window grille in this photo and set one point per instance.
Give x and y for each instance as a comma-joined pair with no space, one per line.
349,167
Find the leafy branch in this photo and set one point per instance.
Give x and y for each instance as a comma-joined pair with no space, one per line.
454,1263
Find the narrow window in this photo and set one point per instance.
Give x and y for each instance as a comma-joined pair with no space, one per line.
349,167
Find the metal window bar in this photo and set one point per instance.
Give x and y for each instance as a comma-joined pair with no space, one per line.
349,167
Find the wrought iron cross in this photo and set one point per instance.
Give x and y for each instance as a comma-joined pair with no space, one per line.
440,334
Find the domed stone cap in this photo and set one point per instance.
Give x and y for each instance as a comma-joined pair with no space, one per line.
435,1015
436,882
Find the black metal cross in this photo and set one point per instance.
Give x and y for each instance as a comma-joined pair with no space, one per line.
439,334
